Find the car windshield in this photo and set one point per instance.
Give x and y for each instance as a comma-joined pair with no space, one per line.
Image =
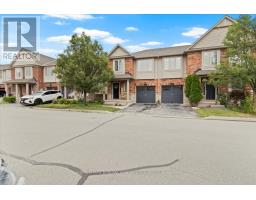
37,93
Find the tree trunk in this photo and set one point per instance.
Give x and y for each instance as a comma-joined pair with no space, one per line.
85,97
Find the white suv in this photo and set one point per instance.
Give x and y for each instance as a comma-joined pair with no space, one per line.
41,97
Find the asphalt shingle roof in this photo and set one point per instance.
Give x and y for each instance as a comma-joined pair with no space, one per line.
168,51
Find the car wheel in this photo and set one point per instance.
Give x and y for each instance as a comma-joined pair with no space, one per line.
59,97
38,101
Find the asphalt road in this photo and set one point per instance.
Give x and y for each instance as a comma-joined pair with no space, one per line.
58,147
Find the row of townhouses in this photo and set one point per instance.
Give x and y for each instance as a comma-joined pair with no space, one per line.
149,76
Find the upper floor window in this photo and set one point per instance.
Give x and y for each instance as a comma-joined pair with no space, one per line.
7,75
210,58
118,65
172,63
49,71
145,65
28,73
1,75
234,60
18,73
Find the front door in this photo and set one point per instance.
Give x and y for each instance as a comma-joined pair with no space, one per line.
116,90
210,92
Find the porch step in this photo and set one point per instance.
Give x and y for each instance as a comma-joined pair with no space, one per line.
206,103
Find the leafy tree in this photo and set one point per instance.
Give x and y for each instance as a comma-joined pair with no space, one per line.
84,65
195,90
241,48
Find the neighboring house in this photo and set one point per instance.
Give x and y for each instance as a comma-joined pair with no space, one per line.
158,75
26,75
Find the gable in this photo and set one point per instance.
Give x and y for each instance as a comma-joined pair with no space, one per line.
215,36
118,52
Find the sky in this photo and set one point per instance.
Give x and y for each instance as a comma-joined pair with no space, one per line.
134,32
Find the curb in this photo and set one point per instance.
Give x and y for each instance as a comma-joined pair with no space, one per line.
72,110
239,119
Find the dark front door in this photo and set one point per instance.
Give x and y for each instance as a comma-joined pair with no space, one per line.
115,90
145,94
172,94
210,92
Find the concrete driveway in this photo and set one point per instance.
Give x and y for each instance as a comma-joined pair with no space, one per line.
174,110
59,147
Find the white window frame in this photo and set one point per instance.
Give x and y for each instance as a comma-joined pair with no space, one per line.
7,75
120,67
172,63
207,63
1,76
145,65
30,75
18,73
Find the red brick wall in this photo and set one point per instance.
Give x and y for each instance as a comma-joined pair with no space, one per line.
194,62
38,75
129,65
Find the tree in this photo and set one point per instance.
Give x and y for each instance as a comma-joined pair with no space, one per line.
241,48
188,82
83,65
195,91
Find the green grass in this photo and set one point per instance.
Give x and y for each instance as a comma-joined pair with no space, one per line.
88,106
223,112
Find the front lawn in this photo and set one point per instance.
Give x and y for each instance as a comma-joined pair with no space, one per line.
80,106
223,112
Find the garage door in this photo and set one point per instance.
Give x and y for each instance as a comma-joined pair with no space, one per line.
172,94
145,94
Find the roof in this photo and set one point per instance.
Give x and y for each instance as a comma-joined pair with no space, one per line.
214,37
36,59
2,67
118,46
123,76
159,52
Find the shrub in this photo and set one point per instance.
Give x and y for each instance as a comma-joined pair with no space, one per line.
195,91
236,96
247,105
65,101
9,99
223,99
188,82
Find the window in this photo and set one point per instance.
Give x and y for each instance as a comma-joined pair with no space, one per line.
118,65
8,75
210,58
1,75
234,60
172,63
49,71
145,65
28,73
18,73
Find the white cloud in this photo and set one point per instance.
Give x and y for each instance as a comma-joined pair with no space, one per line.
151,43
63,39
48,51
195,32
60,23
131,29
114,40
181,44
134,48
94,33
105,36
77,17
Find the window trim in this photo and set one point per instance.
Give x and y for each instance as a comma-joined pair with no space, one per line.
143,70
210,65
170,67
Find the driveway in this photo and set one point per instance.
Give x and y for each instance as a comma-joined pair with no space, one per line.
172,110
60,147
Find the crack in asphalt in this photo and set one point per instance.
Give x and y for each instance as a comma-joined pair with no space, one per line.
75,137
83,175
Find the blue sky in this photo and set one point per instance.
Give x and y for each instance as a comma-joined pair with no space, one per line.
135,32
